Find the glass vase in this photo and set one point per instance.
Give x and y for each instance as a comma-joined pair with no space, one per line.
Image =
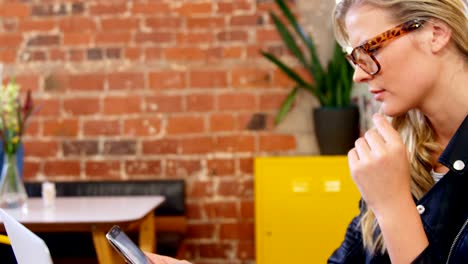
12,191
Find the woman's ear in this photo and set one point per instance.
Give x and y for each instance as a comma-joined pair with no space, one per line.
441,34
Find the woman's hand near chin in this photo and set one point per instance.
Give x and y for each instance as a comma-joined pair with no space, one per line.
158,259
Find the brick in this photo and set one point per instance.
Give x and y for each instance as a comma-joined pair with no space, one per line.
133,53
62,168
215,250
107,8
235,6
94,54
113,53
49,10
44,40
150,8
32,129
86,82
200,189
167,80
246,250
195,231
246,20
237,101
30,169
74,38
79,147
208,79
153,53
250,77
8,56
200,102
103,169
81,106
232,35
160,146
185,124
76,55
196,145
40,148
276,142
235,143
119,24
36,25
166,22
194,210
143,167
182,168
233,52
77,24
154,37
164,103
246,165
221,167
101,127
267,35
122,105
258,121
253,51
221,210
57,54
229,187
205,22
126,81
12,40
185,53
37,56
19,10
113,38
120,147
247,208
189,9
61,127
239,230
9,25
28,82
191,38
47,107
219,122
272,101
142,126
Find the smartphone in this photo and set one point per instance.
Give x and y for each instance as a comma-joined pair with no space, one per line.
125,247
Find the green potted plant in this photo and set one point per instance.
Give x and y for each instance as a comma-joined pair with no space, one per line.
336,121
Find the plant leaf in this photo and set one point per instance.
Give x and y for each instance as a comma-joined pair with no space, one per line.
289,40
286,105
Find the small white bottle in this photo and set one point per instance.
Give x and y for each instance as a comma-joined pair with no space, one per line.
48,194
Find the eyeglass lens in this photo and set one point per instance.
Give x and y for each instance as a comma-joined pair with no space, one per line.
365,61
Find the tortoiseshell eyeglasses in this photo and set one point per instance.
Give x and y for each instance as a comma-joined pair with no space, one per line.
363,55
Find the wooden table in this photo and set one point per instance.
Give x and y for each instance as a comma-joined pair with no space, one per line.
96,215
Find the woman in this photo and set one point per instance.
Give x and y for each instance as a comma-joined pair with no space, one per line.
412,168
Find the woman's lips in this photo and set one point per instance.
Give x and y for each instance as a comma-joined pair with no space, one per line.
378,94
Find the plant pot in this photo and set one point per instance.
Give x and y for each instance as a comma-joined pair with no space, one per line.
336,128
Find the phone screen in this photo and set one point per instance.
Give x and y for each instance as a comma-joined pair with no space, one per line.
125,246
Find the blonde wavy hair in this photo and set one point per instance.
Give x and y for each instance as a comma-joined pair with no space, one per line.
415,129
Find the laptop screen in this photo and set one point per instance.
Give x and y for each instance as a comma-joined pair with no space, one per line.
27,246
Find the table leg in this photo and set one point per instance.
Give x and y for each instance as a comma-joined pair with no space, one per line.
104,251
147,234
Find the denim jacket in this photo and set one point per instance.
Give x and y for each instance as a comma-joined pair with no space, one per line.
443,210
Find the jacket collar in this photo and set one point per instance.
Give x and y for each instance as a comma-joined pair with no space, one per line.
455,155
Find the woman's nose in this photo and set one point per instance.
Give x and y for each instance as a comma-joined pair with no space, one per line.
360,75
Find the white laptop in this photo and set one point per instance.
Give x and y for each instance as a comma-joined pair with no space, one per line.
27,246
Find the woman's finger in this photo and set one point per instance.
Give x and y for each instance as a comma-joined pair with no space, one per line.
383,126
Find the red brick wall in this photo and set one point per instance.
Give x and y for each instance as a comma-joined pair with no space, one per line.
153,89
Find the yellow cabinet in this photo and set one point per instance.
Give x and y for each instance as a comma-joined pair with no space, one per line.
302,207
